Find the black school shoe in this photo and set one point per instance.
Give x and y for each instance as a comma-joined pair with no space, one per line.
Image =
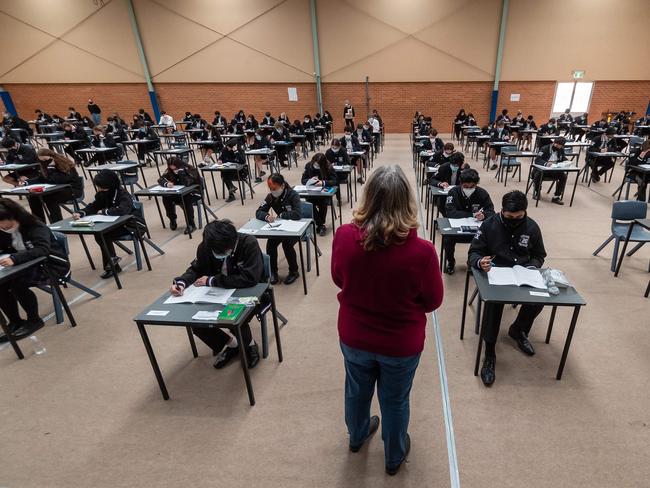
487,371
252,356
291,277
450,268
521,338
190,228
374,425
393,470
13,327
274,279
557,201
231,197
173,225
226,356
109,272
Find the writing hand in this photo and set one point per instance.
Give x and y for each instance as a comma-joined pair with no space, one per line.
177,290
6,262
485,263
76,216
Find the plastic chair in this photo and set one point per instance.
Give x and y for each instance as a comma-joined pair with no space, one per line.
507,162
130,177
622,214
265,306
132,237
77,203
307,212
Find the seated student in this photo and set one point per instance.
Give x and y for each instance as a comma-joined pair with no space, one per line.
145,116
268,120
231,154
282,202
219,120
57,121
234,128
260,142
284,118
42,117
73,114
180,173
327,118
319,172
308,125
198,122
471,120
101,138
466,200
87,122
548,129
350,143
621,122
376,132
641,128
26,131
516,125
212,134
168,121
565,120
112,199
376,115
425,127
137,122
639,156
338,156
597,128
18,153
116,130
604,142
578,132
250,125
281,134
433,143
24,238
362,134
75,133
189,118
459,121
240,118
225,259
441,157
449,172
507,239
498,134
503,117
527,137
153,141
56,170
296,129
551,155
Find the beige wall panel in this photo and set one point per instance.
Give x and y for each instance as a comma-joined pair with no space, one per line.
168,37
347,35
61,63
409,60
30,41
291,42
53,16
221,15
116,44
470,34
229,61
606,38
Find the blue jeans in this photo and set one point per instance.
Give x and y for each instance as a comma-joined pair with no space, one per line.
97,118
394,378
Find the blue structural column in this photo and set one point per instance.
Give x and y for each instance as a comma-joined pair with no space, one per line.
314,36
497,68
143,59
8,102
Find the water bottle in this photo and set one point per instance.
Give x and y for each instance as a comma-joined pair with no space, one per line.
38,346
550,282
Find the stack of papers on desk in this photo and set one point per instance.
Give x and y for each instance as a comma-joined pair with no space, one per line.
517,275
212,316
644,166
101,218
284,225
300,188
202,294
164,188
37,185
465,222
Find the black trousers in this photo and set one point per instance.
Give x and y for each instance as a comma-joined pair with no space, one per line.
288,246
170,202
349,123
230,175
449,245
558,177
492,313
110,237
216,339
600,166
642,180
52,202
18,291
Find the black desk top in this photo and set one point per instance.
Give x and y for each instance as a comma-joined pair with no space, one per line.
180,314
447,230
25,191
10,272
511,294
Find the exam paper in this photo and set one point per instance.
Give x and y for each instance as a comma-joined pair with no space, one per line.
101,218
27,187
284,225
517,275
467,221
202,294
164,188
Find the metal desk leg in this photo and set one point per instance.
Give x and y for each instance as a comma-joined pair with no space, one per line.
573,193
85,246
185,211
313,225
152,359
550,325
12,341
190,336
332,214
110,262
140,240
462,320
567,343
162,220
276,327
340,212
480,337
627,240
244,366
302,265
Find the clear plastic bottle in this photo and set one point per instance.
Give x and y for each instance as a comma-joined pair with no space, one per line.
550,282
39,348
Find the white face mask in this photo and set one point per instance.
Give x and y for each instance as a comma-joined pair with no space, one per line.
277,193
335,149
316,166
221,256
259,138
448,153
306,121
468,192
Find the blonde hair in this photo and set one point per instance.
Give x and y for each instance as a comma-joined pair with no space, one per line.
62,163
387,212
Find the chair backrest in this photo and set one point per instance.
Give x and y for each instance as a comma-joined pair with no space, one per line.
62,240
306,210
131,174
629,210
266,273
139,209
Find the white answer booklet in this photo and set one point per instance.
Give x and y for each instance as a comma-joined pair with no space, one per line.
517,275
467,221
165,188
285,225
101,218
202,294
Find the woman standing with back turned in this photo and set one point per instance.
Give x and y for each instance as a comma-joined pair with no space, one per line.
389,280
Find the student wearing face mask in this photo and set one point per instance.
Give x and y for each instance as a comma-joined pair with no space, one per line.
112,199
466,200
449,173
73,114
232,154
433,142
565,120
319,172
527,137
18,153
180,173
516,125
552,155
338,156
363,134
507,239
350,143
498,134
604,142
268,120
101,138
260,142
153,141
348,114
24,238
219,120
548,129
441,157
225,259
281,134
282,202
425,126
75,133
578,132
56,170
296,129
213,135
459,121
145,116
503,117
250,125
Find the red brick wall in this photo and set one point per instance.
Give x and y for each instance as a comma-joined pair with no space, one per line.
396,102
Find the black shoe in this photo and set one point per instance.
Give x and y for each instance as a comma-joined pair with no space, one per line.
190,228
557,201
202,165
109,272
262,173
322,231
13,327
173,225
487,371
360,180
494,166
521,338
252,356
231,197
291,277
450,268
274,279
234,189
258,180
226,356
393,470
595,178
372,428
535,195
